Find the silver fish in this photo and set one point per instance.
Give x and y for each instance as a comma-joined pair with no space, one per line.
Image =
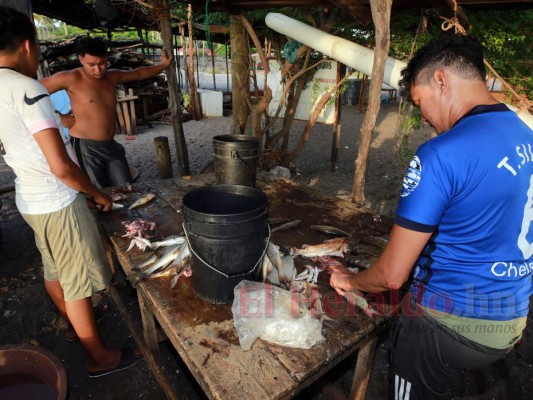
272,273
142,243
185,271
169,241
266,267
116,206
142,200
355,298
184,253
288,225
146,263
329,230
163,262
274,255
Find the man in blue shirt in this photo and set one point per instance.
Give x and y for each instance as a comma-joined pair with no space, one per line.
462,228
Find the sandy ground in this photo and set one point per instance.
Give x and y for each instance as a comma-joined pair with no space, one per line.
28,316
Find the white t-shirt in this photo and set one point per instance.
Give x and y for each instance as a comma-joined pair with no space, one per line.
26,109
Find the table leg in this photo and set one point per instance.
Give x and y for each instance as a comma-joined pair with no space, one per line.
363,368
149,328
159,374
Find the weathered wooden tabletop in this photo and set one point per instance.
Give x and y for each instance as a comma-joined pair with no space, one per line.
204,334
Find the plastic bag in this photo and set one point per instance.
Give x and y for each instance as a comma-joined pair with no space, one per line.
271,313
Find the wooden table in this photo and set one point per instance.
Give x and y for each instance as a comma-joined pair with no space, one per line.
203,333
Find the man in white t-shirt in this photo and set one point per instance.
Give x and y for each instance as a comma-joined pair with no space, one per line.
49,187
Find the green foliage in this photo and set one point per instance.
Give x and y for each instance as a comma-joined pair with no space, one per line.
410,120
508,40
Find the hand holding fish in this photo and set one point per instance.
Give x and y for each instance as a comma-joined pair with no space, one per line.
340,280
103,200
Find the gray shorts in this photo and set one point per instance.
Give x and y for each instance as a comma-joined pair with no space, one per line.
71,249
104,162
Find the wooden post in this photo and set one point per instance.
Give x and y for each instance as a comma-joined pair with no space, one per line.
363,369
164,162
381,10
240,63
227,69
213,65
175,108
362,92
196,114
336,142
184,51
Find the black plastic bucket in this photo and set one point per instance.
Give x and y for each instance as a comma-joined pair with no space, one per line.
225,226
235,159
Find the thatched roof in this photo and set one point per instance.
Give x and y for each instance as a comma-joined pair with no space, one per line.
87,14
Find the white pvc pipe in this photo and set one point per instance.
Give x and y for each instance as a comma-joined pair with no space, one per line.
349,53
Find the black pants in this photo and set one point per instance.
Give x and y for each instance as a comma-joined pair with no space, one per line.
104,162
428,357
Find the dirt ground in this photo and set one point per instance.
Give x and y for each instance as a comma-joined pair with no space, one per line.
27,315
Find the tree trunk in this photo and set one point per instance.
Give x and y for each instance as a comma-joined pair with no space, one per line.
179,137
197,112
381,10
311,122
239,70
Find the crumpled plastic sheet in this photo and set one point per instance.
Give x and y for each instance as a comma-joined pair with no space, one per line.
273,314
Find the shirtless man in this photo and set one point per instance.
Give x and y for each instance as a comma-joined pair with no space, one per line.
92,92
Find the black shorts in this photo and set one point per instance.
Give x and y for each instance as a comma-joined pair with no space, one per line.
104,162
428,357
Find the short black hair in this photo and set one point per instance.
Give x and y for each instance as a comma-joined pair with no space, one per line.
94,46
15,28
463,55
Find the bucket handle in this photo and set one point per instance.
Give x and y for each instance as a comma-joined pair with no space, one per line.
220,272
235,154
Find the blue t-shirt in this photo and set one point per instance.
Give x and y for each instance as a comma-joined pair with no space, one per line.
473,187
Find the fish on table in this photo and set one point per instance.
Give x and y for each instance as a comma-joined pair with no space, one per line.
286,226
274,261
142,200
174,255
332,247
329,230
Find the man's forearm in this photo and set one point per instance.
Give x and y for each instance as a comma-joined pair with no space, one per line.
72,176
